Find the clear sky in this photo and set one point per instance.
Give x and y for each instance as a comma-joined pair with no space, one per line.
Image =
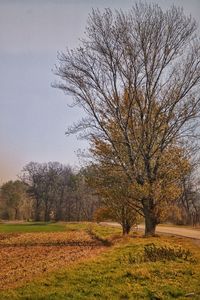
33,115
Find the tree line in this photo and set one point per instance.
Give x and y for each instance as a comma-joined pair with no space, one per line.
48,191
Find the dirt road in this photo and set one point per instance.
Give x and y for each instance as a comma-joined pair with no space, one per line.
186,232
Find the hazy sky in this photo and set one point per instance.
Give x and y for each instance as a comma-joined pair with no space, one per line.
33,115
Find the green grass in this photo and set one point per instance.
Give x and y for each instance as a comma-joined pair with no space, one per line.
111,275
101,231
32,227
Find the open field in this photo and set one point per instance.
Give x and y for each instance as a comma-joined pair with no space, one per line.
25,256
34,250
88,261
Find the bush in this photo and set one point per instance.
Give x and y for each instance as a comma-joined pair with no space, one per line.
103,214
154,253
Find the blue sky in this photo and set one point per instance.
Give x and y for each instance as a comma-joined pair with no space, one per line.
33,115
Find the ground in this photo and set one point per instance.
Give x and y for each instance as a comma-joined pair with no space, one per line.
89,261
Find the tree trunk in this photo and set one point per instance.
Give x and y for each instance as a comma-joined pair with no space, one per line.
150,225
126,227
16,213
150,218
46,215
58,214
37,210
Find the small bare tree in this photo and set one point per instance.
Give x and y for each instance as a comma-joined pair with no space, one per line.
116,200
139,73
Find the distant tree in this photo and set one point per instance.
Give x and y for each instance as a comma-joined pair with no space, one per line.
63,192
32,175
47,183
189,200
87,201
139,73
15,204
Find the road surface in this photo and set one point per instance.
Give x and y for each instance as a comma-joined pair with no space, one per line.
186,232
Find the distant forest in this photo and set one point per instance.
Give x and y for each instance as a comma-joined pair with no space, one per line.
48,191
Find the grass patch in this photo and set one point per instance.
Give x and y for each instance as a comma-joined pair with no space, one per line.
102,231
111,276
32,227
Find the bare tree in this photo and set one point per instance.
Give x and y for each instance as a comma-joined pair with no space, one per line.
32,176
63,187
140,71
87,201
189,200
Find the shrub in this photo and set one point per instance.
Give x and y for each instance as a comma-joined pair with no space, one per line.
155,253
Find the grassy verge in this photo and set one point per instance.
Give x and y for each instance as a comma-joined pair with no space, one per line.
116,275
103,231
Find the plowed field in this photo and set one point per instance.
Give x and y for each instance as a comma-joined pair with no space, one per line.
27,256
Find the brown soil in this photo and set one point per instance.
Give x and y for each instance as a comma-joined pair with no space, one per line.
24,257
